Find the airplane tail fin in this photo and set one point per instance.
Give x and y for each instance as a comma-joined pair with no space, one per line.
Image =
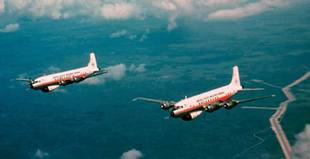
92,60
235,80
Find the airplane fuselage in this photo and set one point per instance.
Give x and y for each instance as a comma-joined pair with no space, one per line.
50,82
189,108
201,101
62,78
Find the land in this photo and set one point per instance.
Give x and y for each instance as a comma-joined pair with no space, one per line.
275,119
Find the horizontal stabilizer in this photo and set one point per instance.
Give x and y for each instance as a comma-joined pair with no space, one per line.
254,99
100,72
252,89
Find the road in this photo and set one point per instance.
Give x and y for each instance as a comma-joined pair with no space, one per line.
275,119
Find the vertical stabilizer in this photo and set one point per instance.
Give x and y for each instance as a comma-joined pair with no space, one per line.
92,60
235,80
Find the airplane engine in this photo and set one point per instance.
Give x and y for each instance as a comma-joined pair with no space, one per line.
166,106
211,108
230,104
191,115
49,88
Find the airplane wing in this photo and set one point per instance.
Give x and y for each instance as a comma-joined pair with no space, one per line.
24,79
259,107
163,103
100,72
232,103
253,99
153,100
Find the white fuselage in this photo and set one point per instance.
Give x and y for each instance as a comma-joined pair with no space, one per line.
200,101
63,78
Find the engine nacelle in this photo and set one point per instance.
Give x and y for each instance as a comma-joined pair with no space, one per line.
166,106
191,116
230,104
49,88
211,108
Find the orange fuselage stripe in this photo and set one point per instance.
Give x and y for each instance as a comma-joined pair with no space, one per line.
57,80
199,106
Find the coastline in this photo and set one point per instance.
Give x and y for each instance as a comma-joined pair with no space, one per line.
275,119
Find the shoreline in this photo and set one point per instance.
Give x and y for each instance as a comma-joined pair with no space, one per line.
275,119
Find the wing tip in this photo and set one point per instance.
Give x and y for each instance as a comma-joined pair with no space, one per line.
135,99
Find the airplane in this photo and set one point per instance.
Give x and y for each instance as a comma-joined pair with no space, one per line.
48,83
191,107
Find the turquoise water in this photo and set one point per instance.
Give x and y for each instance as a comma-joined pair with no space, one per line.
101,121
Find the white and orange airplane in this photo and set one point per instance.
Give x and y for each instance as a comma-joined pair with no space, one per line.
48,83
191,107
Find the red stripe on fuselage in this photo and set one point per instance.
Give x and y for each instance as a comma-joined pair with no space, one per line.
191,108
58,81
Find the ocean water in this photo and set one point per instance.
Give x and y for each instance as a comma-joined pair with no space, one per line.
100,120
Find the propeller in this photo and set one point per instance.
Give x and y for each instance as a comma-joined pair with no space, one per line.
28,80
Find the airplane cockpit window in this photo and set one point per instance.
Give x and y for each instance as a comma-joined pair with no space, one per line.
36,81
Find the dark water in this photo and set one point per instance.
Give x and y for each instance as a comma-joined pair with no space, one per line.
101,121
